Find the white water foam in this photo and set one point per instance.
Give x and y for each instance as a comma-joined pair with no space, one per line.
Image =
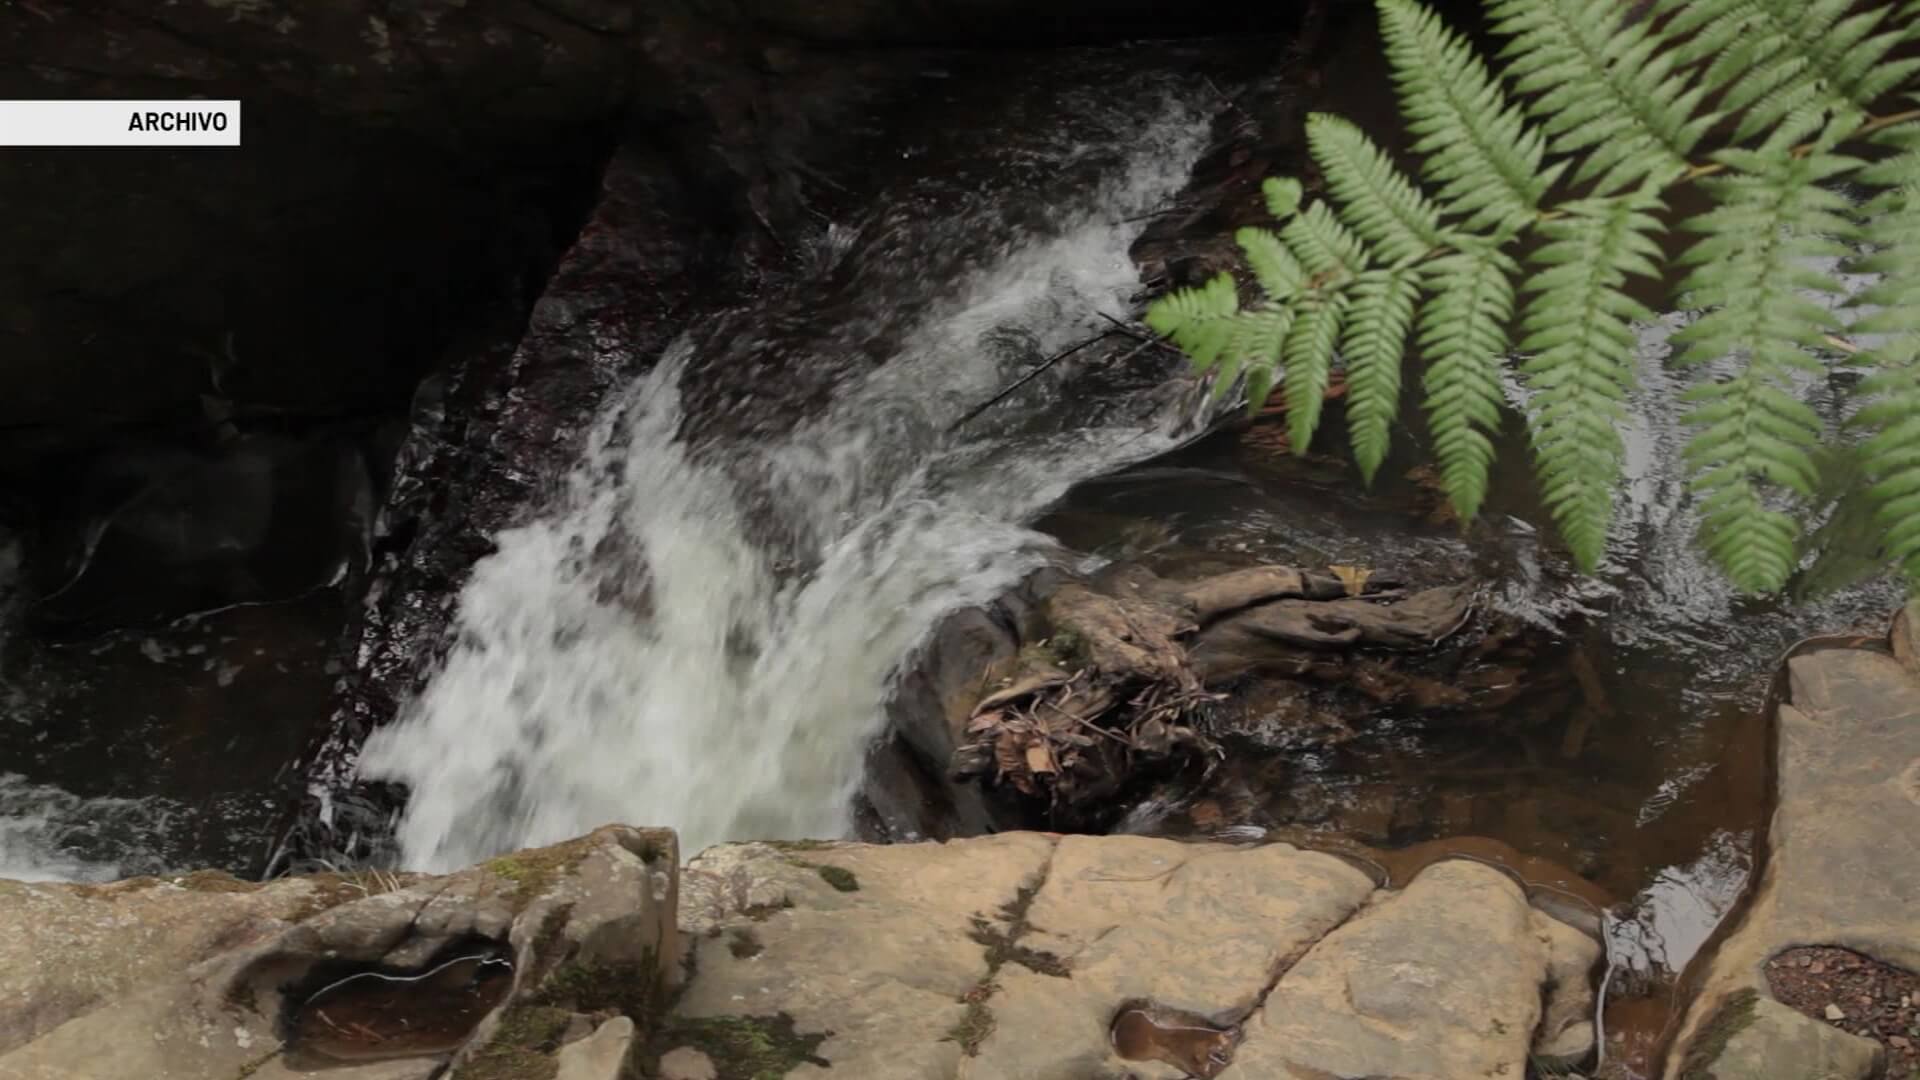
50,834
706,685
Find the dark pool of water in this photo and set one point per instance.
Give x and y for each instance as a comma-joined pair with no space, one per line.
159,749
380,1014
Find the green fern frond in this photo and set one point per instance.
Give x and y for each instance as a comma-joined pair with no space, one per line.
1891,307
1199,320
1260,339
1775,56
1475,147
1274,267
1604,89
1332,254
1283,196
1760,253
1309,353
1463,332
1577,325
1377,327
1623,104
1376,201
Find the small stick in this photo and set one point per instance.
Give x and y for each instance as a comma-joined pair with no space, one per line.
1025,379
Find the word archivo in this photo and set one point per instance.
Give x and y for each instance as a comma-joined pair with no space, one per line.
178,121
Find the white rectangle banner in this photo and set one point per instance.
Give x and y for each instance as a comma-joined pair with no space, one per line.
119,123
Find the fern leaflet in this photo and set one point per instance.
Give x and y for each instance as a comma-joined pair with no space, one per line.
1577,327
1383,303
1463,331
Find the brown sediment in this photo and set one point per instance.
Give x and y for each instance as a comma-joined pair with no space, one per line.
1145,1031
1873,999
375,1015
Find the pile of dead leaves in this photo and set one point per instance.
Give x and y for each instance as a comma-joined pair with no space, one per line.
1118,693
1061,736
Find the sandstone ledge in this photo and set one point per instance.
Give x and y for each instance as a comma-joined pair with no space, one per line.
1003,956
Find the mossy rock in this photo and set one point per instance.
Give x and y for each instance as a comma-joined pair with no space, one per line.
534,872
583,986
522,1047
1732,1017
746,1047
841,878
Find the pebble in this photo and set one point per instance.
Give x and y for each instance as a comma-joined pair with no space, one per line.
1834,1012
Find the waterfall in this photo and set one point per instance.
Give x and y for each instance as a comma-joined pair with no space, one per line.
703,634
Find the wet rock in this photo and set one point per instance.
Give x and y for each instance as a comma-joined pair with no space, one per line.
588,925
1420,621
1438,981
1565,1034
1849,748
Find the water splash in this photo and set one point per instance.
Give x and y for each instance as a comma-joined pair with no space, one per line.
50,834
705,638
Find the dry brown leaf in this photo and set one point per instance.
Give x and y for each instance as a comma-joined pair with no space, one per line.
1032,684
1007,756
1353,577
1040,758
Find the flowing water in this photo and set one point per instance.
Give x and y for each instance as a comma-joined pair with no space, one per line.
702,627
702,635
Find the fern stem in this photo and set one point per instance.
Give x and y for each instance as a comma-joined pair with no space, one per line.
1872,125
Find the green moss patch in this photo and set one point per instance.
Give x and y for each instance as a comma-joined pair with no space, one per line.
581,986
1732,1017
1003,943
534,872
977,1022
747,1047
522,1046
841,878
803,845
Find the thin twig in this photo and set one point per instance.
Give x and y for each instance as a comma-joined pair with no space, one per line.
1027,378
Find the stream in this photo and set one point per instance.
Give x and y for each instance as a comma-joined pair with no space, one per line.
701,622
